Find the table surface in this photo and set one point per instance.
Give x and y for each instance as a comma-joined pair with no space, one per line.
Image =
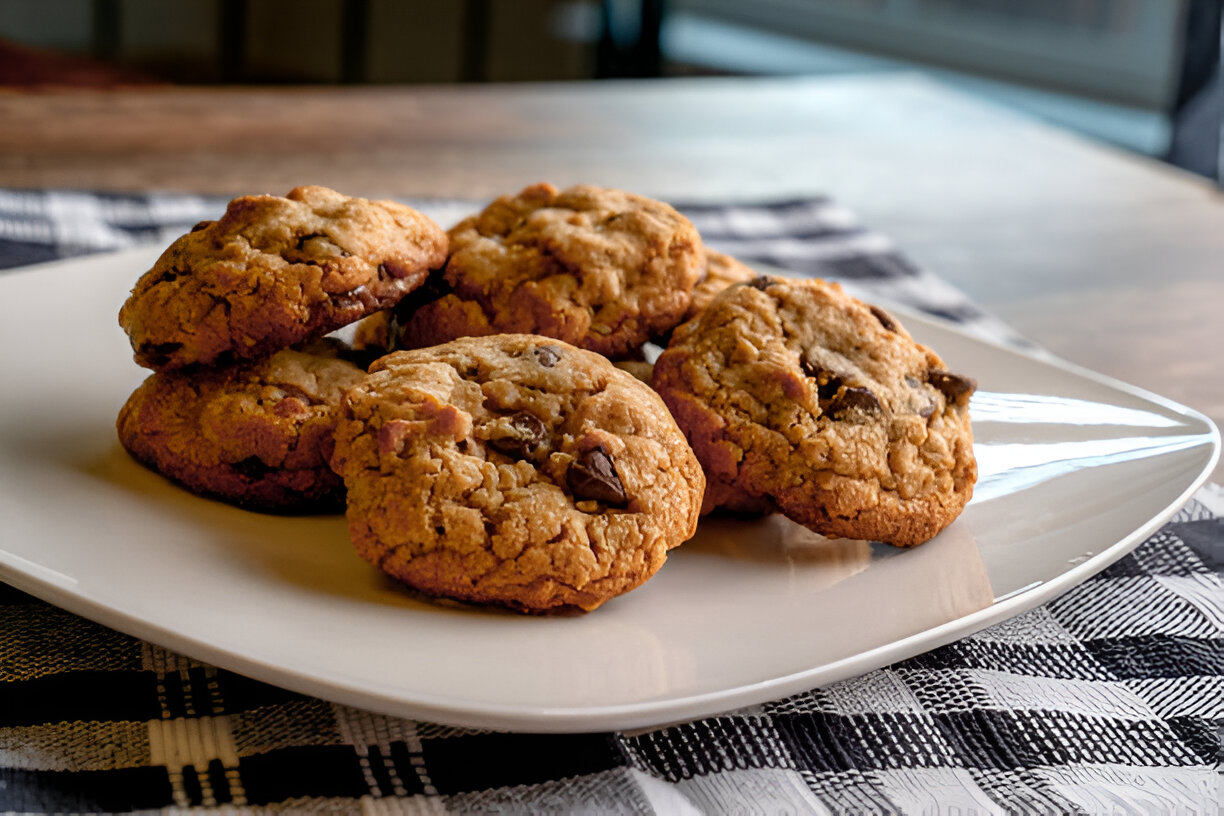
1110,260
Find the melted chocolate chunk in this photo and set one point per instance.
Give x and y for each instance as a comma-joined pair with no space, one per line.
593,476
853,398
548,356
761,282
951,385
202,225
884,317
528,434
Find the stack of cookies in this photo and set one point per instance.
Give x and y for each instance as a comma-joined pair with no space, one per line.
504,447
493,466
242,404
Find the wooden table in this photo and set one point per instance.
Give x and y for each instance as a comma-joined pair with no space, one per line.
1107,259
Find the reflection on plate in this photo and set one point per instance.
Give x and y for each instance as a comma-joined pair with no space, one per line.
1076,470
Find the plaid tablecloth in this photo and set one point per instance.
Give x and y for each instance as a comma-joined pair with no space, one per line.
1108,700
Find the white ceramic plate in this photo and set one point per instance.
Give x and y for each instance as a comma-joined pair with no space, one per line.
1075,471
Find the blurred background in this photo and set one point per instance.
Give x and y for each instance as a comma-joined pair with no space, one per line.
1140,74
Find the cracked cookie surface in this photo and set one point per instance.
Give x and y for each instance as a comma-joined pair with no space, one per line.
514,470
257,434
599,268
273,272
794,393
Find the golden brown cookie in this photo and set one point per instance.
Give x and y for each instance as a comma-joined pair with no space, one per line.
514,470
602,269
274,272
794,392
254,434
721,271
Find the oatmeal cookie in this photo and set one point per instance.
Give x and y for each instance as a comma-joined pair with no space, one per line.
274,272
514,470
602,269
794,392
257,434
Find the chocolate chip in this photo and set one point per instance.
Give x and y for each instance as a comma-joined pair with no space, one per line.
593,476
761,282
528,433
951,385
853,398
548,356
202,225
884,317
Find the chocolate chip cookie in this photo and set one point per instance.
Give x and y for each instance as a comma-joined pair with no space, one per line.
273,272
602,269
514,470
794,392
721,271
256,434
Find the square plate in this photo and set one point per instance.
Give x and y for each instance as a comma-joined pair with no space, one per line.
1075,469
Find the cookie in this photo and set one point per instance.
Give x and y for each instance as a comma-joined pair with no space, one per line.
721,271
514,470
794,392
274,272
602,269
257,434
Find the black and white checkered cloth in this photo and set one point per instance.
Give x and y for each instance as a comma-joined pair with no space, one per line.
1108,700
